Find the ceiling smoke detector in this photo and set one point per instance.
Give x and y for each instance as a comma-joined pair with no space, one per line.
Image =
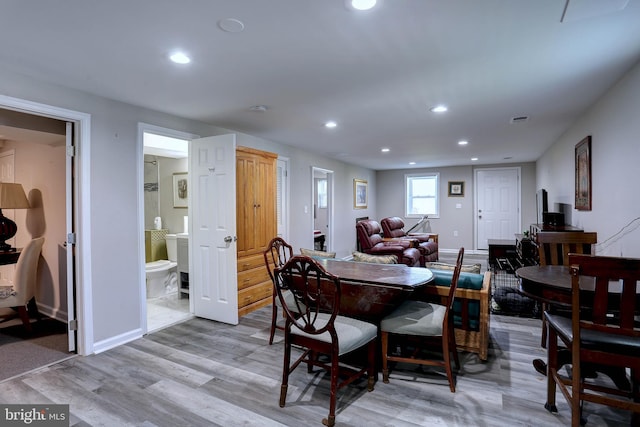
258,108
520,119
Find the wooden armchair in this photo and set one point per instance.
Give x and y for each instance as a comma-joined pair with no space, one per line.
554,248
605,334
471,314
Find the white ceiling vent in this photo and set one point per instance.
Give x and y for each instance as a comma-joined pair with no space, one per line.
519,119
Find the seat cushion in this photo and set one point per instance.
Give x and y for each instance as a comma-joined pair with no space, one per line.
467,268
317,254
289,300
465,281
377,259
415,318
352,333
594,340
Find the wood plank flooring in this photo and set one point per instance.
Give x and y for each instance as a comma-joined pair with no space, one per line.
203,373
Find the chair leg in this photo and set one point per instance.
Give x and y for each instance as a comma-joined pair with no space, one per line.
371,367
543,339
453,347
552,369
24,316
335,370
446,354
384,343
274,318
285,372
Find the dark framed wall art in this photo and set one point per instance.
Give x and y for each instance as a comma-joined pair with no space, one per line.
583,174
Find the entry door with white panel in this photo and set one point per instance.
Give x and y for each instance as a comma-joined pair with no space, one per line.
497,205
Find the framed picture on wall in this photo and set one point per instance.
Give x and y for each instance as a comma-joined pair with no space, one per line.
583,175
360,194
180,190
456,188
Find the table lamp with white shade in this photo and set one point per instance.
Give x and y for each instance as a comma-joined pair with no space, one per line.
11,197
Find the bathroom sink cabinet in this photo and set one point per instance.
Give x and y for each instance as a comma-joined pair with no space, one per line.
255,224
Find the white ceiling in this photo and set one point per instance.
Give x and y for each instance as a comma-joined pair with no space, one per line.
374,73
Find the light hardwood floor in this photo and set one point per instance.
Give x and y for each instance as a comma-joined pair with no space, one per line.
203,373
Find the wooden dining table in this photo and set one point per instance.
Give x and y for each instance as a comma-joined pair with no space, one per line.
371,291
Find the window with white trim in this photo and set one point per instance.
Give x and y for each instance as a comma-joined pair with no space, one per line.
421,195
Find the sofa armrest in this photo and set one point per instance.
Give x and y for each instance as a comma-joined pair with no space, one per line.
409,243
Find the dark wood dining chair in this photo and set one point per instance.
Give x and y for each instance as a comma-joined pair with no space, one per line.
420,322
554,248
314,324
599,337
278,252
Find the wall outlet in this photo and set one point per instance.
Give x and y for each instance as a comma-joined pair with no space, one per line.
455,233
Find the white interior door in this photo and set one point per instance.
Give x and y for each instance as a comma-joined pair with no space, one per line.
212,242
497,204
70,271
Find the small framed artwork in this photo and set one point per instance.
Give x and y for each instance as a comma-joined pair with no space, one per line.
360,194
456,188
180,190
583,175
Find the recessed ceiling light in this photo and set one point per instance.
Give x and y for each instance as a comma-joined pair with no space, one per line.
180,58
412,163
361,4
438,109
463,142
474,159
331,124
385,150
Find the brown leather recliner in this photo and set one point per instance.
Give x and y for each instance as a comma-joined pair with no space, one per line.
368,232
394,227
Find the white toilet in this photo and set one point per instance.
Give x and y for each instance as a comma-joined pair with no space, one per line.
161,275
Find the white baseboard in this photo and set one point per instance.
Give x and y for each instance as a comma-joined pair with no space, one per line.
112,342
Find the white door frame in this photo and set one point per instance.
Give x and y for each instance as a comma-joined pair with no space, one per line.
283,227
81,214
142,129
330,184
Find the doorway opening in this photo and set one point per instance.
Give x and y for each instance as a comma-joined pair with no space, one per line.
165,219
322,203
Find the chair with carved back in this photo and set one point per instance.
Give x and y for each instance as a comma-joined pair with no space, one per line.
278,252
605,334
419,323
313,324
554,248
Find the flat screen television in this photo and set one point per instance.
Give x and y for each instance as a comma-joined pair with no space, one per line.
542,205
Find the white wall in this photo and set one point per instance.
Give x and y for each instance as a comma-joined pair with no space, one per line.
114,253
613,122
390,190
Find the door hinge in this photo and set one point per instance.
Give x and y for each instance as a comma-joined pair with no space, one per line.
71,238
73,325
71,150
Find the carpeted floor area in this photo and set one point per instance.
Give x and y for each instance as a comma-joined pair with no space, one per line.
21,351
